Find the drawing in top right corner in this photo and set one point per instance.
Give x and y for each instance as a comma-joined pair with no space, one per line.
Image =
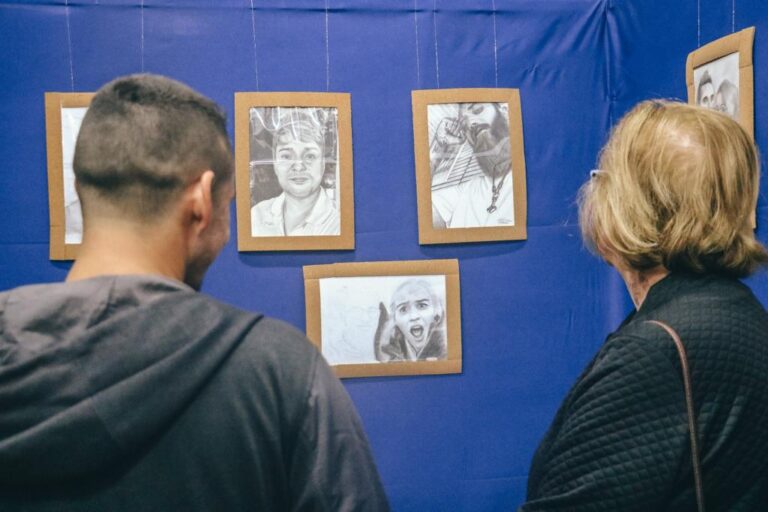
720,76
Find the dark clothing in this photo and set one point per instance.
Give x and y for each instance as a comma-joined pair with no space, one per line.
136,393
620,439
435,349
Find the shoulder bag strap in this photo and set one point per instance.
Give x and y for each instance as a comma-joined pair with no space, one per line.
689,407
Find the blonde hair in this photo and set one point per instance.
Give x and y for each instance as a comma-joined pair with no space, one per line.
437,302
678,188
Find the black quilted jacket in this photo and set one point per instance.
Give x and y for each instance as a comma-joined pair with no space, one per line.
620,440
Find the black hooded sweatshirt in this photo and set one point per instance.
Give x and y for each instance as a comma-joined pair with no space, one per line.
135,393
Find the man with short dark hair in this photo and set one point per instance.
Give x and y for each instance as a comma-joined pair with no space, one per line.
124,389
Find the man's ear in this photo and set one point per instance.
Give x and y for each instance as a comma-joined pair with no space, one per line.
199,195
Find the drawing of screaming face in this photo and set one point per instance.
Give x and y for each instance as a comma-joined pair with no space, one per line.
415,312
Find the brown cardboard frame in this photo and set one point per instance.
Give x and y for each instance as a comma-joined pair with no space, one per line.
54,102
428,234
244,101
449,268
741,42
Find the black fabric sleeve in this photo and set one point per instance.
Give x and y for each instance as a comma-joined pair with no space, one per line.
332,467
620,437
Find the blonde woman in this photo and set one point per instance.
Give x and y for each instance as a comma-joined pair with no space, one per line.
671,210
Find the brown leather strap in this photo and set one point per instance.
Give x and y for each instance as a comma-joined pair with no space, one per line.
689,407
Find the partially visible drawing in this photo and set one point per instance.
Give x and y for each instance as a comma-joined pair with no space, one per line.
720,76
71,119
64,113
717,85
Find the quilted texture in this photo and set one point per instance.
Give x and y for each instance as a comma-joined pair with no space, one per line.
620,439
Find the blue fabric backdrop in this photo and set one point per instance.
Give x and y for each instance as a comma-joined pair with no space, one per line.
533,311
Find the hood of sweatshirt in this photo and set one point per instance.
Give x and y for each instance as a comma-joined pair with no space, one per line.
91,370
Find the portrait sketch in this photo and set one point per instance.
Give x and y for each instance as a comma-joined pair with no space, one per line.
382,319
64,113
375,323
293,170
470,165
720,76
717,85
71,119
293,159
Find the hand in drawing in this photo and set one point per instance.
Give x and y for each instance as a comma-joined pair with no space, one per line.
382,339
449,134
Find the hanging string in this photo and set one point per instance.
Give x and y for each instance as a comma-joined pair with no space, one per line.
69,46
142,35
416,28
255,53
698,23
437,57
327,53
733,16
495,45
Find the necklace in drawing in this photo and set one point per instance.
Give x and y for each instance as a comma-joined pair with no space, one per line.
496,190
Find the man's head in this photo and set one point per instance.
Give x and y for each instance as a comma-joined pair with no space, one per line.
486,128
705,94
298,149
727,99
144,143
